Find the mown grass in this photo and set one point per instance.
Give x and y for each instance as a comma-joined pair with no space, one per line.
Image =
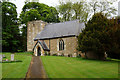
16,69
67,67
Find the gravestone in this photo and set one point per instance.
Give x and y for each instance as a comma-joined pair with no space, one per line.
66,55
3,55
1,58
12,57
74,55
6,59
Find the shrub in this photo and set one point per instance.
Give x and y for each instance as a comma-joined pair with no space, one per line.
46,53
62,54
55,54
78,55
69,55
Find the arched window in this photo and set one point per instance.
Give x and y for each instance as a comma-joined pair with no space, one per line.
61,45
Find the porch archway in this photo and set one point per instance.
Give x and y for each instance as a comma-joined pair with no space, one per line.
38,51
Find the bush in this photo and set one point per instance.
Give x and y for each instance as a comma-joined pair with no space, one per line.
54,54
46,53
78,55
62,54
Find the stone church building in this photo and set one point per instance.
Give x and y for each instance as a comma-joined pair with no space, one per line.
53,38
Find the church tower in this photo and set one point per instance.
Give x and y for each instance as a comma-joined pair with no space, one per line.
33,28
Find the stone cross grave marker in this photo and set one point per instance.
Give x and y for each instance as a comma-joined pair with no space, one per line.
0,57
12,57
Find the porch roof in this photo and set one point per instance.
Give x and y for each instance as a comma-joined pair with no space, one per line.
42,43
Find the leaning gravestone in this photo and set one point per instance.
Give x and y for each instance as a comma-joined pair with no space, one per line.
12,57
3,55
1,58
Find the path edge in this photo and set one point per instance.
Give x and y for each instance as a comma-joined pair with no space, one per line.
28,69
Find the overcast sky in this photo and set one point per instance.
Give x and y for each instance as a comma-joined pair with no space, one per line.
20,3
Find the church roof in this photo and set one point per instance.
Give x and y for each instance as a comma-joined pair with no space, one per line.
64,29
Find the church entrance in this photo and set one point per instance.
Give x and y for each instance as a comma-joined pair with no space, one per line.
39,51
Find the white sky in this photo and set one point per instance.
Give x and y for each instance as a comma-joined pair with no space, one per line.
20,3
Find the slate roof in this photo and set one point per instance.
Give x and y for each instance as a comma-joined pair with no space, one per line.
44,46
69,28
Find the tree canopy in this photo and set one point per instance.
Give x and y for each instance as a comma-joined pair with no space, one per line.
71,11
38,11
113,50
101,35
10,30
83,10
93,36
103,6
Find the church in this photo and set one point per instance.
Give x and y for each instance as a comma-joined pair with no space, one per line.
54,38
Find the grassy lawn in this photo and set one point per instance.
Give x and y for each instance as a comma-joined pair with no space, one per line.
66,67
16,69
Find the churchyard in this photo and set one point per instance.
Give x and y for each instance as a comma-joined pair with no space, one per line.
52,30
69,67
16,68
60,67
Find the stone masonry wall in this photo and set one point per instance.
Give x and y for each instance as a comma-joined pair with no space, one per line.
70,45
33,28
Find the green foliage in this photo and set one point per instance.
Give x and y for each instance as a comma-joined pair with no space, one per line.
55,54
10,30
80,10
71,11
33,14
38,11
9,14
23,38
101,35
65,10
92,37
114,38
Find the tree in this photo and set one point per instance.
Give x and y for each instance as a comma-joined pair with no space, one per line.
113,32
10,30
103,6
71,11
43,12
36,11
80,11
31,15
65,10
93,37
